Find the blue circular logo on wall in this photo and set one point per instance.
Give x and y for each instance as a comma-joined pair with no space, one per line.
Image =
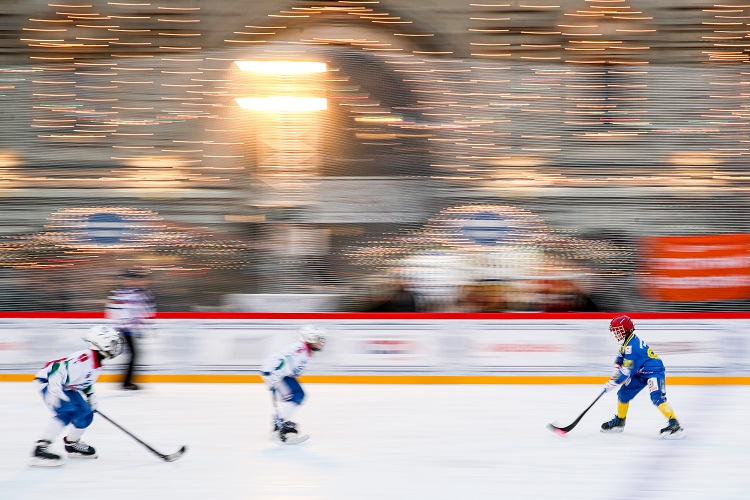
105,228
486,228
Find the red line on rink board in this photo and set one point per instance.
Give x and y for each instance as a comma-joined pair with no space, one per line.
391,316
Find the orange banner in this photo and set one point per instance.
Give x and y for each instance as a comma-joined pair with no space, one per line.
696,268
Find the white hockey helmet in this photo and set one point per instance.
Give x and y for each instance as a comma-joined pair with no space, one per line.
314,336
105,339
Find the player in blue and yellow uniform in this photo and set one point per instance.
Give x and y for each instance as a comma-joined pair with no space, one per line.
638,367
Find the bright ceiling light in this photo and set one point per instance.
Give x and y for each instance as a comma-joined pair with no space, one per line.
283,104
282,67
9,160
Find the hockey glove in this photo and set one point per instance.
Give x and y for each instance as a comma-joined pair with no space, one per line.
273,380
93,401
54,397
611,385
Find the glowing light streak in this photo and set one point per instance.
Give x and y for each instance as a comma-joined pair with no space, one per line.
282,67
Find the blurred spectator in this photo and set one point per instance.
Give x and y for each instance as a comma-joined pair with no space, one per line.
564,295
130,307
484,296
394,297
548,295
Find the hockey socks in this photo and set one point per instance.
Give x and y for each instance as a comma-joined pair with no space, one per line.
622,409
666,409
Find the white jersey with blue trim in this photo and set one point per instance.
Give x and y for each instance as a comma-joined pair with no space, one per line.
77,372
129,308
289,362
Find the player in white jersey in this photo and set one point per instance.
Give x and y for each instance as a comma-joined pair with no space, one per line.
129,308
280,374
67,387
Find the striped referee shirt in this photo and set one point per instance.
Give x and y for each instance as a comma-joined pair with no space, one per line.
129,309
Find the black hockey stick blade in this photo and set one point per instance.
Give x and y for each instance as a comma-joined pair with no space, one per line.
173,456
167,458
561,431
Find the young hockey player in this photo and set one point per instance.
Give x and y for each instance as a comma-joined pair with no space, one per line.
638,367
280,374
67,387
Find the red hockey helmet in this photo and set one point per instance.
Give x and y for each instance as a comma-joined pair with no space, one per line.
621,327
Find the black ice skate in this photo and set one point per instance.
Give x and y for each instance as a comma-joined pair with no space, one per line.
288,434
287,430
42,457
79,449
277,423
673,430
617,424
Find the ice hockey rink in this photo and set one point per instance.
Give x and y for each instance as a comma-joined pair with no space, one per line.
385,442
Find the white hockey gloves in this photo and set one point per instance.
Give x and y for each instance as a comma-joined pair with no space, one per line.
272,380
611,385
93,401
54,396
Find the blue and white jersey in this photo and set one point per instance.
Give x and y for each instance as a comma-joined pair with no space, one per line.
289,362
636,358
129,309
77,372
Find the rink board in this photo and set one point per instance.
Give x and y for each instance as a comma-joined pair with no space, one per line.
707,348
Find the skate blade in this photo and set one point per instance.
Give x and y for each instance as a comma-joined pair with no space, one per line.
78,456
45,462
295,440
612,431
674,436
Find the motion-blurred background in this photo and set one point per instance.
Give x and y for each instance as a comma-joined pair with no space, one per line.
387,155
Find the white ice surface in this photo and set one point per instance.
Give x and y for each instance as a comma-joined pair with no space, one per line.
386,442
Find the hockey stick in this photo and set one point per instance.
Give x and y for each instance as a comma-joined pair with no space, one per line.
276,417
564,430
167,458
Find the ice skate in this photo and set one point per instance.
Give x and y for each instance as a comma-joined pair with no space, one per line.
288,430
673,430
288,434
79,449
42,457
617,424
